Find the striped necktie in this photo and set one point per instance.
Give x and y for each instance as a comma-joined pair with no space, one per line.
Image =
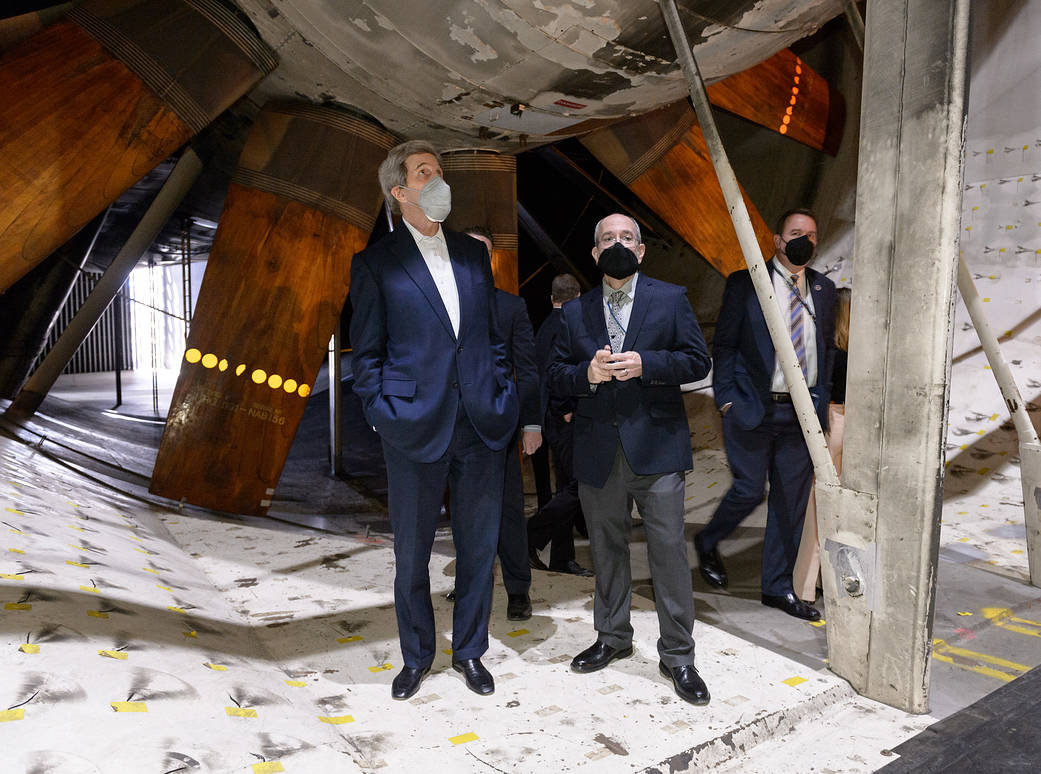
614,328
795,323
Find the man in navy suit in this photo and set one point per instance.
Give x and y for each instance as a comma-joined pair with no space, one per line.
514,328
554,522
623,351
760,430
430,371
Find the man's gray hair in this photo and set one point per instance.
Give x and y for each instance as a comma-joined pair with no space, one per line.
636,228
392,171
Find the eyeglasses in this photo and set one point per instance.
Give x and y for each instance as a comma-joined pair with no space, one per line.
608,239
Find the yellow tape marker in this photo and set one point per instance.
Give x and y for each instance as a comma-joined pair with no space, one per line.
194,634
354,638
964,612
339,720
116,654
447,651
9,576
464,738
16,550
381,667
241,712
959,656
518,633
164,588
14,510
216,667
17,606
149,569
16,531
818,623
73,526
139,540
97,614
15,714
1003,617
176,609
91,589
267,767
29,647
296,683
129,706
144,551
76,564
794,681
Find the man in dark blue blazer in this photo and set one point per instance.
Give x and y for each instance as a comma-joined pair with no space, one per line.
554,522
514,328
761,433
623,351
430,371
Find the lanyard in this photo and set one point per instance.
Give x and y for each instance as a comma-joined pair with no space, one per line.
610,309
798,295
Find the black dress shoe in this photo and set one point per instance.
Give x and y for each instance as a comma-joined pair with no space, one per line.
710,563
534,561
406,682
597,656
573,568
518,607
792,605
687,682
478,679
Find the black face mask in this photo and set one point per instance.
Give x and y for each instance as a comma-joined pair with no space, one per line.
618,261
799,251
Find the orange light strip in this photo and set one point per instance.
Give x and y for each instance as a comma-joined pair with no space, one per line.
787,118
257,375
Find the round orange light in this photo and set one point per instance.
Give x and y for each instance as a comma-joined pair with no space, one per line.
303,390
223,364
193,355
259,376
290,385
239,369
274,381
209,360
783,129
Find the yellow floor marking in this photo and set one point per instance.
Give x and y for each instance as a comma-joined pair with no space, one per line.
296,683
91,589
15,714
97,614
973,661
20,551
241,712
164,588
464,738
216,667
268,767
517,633
381,667
337,720
15,510
352,638
29,647
116,654
17,606
794,681
1003,617
8,576
77,564
176,609
129,706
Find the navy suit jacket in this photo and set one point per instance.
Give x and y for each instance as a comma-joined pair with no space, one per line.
514,328
646,414
545,344
744,354
410,369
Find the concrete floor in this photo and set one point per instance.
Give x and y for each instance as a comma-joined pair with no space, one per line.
269,644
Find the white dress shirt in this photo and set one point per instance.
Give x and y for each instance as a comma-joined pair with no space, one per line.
782,293
434,250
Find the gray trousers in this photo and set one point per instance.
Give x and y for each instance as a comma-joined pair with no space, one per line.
660,501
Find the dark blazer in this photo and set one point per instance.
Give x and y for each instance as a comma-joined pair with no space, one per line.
647,413
514,328
744,355
545,344
410,370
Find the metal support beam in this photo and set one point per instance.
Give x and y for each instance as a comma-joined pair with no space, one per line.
1029,448
886,532
856,22
166,201
335,402
803,403
548,247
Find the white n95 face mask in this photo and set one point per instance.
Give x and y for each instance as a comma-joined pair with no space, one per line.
435,199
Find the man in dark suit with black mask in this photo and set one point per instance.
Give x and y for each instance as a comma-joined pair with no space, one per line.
760,429
624,349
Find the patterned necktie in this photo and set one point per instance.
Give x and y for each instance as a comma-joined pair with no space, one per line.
614,328
795,323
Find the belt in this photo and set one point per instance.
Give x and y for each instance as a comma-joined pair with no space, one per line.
781,397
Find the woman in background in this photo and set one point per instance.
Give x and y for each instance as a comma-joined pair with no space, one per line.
806,576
